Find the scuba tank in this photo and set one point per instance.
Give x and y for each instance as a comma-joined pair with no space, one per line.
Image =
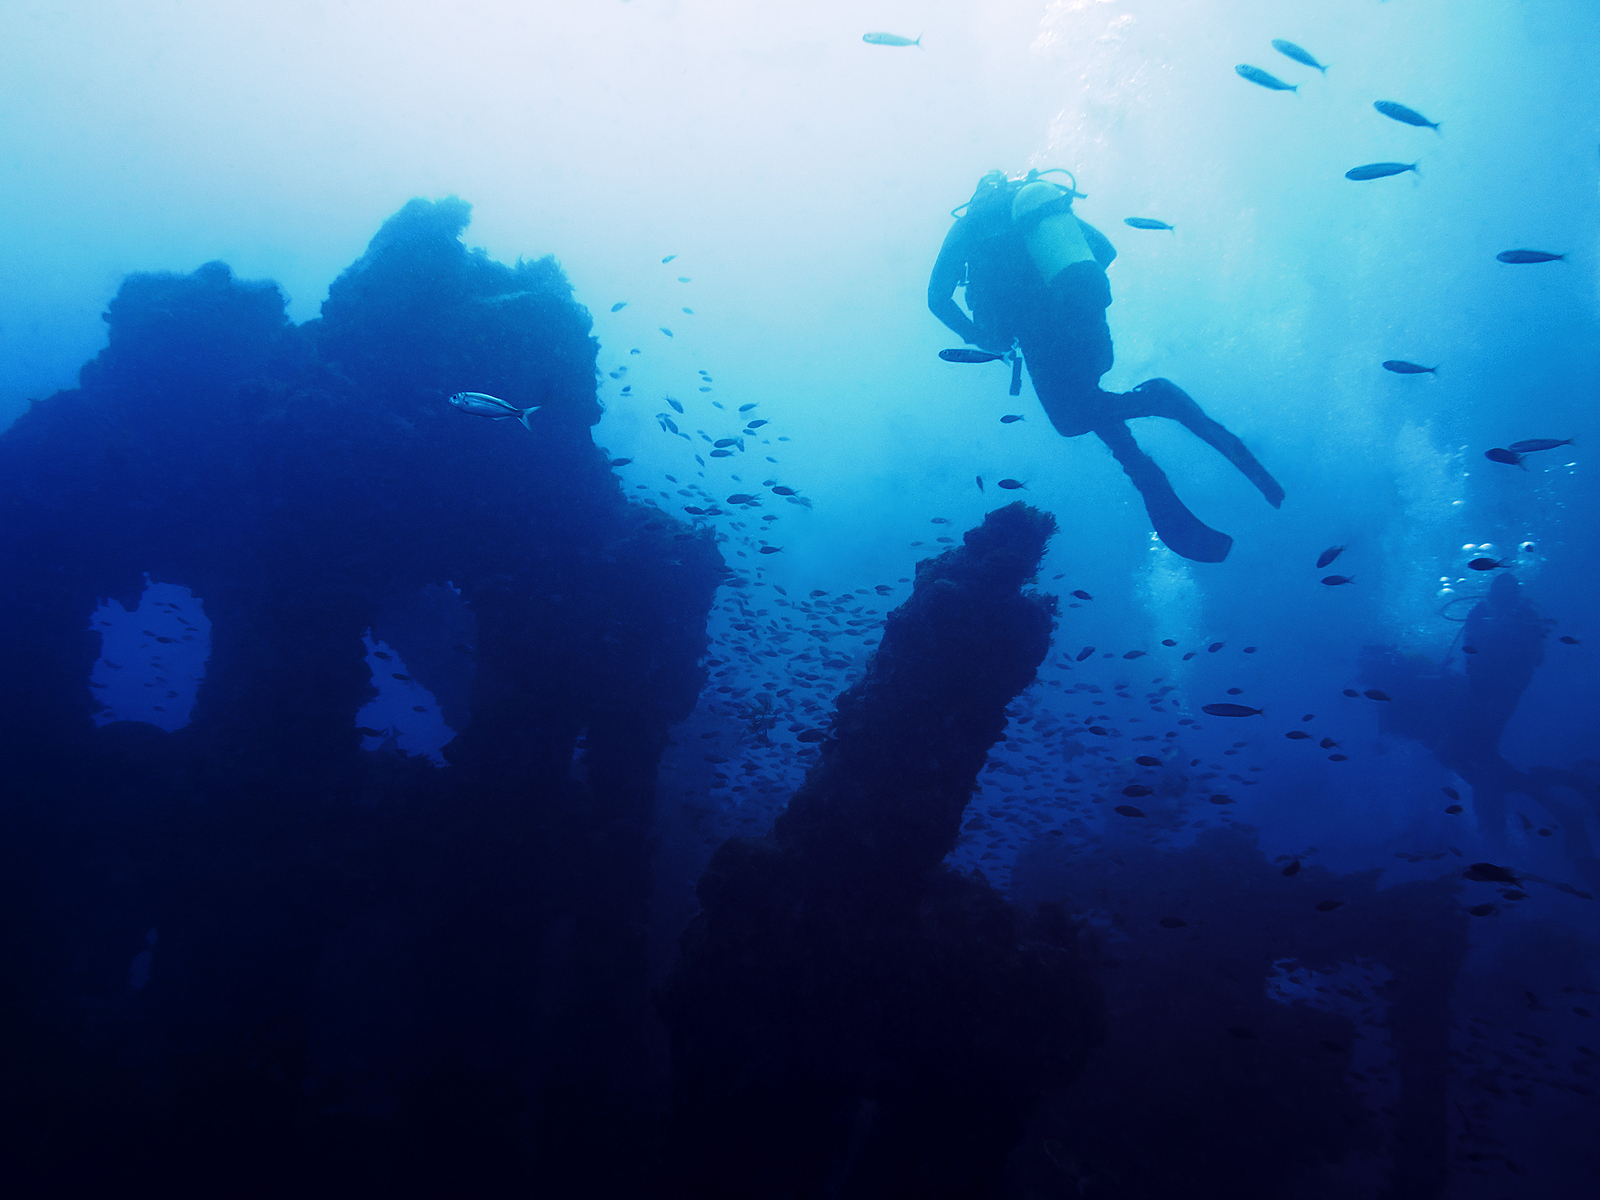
1042,213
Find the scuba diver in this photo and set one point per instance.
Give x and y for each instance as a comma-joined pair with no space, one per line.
1035,280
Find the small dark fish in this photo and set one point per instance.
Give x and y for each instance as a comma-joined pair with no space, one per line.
1145,760
1329,905
1375,694
1533,445
1451,792
1011,485
890,39
1257,75
811,735
1147,223
1235,691
1292,869
1222,799
1168,642
676,407
1484,872
758,424
1338,758
1327,743
1137,789
1189,654
1172,922
1214,647
664,330
1481,910
1290,50
1082,595
743,498
748,407
1351,692
1510,457
669,258
979,478
1297,734
722,443
771,549
1338,580
1128,810
619,306
962,355
1134,654
1400,367
783,491
1489,564
1230,710
1328,555
620,462
1569,640
1084,653
1380,170
1455,810
1010,419
418,708
1528,256
683,279
1399,112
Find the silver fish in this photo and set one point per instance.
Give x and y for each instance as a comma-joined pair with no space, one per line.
1535,444
1380,170
890,39
1290,50
480,404
1257,75
1146,223
1408,116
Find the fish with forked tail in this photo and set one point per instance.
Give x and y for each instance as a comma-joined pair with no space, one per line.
1257,76
1406,116
479,404
1380,170
1290,50
890,39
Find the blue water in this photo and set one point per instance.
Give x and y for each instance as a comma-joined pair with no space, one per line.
772,190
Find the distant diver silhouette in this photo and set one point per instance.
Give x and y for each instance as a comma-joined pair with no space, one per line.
1035,278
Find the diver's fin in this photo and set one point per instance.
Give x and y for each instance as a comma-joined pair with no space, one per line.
1179,529
1163,398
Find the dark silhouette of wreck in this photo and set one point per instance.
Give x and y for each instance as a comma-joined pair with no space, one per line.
371,976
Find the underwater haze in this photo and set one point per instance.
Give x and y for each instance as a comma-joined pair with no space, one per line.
535,677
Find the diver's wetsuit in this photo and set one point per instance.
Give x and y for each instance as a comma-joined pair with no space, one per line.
1066,343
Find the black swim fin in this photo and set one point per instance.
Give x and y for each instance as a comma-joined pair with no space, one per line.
1179,529
1163,398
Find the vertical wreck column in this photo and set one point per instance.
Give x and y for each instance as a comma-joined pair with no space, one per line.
849,1016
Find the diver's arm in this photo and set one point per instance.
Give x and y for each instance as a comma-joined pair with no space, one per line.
947,272
1099,244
